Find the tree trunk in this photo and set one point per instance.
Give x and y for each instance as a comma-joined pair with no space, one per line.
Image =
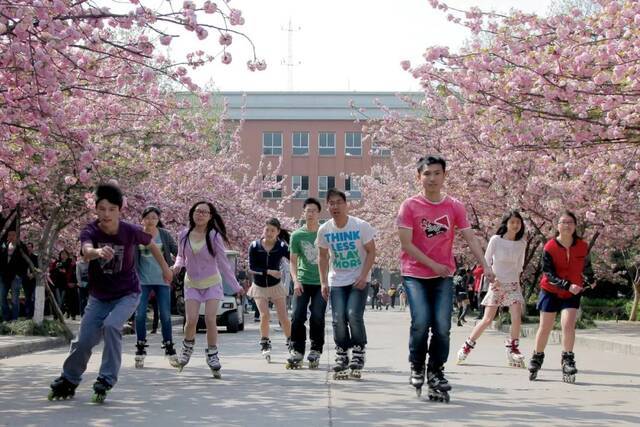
633,316
45,247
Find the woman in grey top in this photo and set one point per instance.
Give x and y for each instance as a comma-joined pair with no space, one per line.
150,275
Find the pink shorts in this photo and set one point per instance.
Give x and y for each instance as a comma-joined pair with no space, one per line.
203,295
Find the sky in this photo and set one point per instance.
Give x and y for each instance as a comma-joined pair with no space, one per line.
338,45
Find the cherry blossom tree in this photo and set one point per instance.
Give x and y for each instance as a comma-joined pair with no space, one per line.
538,114
86,94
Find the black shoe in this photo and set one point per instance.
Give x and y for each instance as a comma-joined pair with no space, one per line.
459,322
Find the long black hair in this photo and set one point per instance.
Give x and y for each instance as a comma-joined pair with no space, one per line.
157,211
283,234
570,214
215,223
502,228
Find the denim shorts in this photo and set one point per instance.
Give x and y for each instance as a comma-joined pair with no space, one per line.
549,302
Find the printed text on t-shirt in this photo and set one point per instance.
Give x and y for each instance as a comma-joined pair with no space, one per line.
345,251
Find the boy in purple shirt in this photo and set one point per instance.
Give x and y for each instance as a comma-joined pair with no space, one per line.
426,227
108,245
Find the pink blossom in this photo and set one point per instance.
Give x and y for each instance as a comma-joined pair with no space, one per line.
201,33
70,180
225,39
226,58
166,40
405,65
210,7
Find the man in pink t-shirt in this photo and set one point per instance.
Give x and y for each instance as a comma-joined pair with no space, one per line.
426,227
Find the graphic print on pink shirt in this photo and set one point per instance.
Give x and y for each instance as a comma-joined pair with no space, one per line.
440,225
433,226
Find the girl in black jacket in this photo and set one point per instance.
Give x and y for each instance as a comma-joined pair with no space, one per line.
265,263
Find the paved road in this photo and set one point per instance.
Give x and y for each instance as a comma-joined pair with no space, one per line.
254,393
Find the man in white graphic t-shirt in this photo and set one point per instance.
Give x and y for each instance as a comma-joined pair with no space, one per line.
347,252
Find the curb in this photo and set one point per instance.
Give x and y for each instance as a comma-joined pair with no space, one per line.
47,343
592,343
38,344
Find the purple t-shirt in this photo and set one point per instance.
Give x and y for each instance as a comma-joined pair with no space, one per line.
116,278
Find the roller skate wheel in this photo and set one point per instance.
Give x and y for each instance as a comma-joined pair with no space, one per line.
532,376
313,365
98,398
419,391
569,379
139,364
356,374
217,375
268,358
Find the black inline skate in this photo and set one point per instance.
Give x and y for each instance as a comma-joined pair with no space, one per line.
314,359
535,364
170,354
141,353
265,348
62,388
417,378
357,362
569,369
100,389
438,385
341,368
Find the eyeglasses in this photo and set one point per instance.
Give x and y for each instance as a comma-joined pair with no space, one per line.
202,212
567,222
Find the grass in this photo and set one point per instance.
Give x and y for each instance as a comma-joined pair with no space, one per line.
48,328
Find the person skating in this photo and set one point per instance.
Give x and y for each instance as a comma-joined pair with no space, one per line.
201,252
505,254
347,252
426,228
150,274
566,268
265,259
307,291
108,244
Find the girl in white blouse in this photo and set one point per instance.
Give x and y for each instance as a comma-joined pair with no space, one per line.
505,254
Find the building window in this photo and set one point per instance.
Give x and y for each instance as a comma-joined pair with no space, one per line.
275,186
379,151
353,144
352,187
301,143
272,143
300,186
327,144
324,184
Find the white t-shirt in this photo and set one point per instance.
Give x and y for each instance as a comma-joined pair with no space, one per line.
346,249
506,258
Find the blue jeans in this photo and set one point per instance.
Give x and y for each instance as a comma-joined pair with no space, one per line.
163,298
12,313
102,319
347,307
431,304
312,298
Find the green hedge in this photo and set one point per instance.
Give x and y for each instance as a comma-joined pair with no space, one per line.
48,328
